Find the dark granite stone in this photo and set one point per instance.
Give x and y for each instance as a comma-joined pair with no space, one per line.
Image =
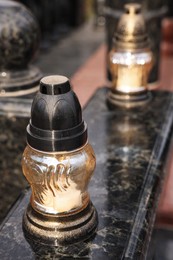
161,246
131,148
19,35
14,117
19,41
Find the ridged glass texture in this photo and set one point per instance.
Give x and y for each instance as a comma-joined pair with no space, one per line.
59,180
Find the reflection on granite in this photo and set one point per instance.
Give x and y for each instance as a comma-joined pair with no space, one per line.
14,115
161,246
131,148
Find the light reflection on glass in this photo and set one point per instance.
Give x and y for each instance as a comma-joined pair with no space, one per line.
130,70
59,180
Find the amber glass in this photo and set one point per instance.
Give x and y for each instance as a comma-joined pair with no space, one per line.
59,180
130,70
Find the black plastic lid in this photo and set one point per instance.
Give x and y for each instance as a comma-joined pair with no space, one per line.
56,118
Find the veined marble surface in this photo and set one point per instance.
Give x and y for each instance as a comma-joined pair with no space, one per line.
131,147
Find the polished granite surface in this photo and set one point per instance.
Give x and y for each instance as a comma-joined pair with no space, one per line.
161,244
131,147
14,117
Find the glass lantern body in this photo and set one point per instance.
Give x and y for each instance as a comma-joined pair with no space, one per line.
130,70
59,180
